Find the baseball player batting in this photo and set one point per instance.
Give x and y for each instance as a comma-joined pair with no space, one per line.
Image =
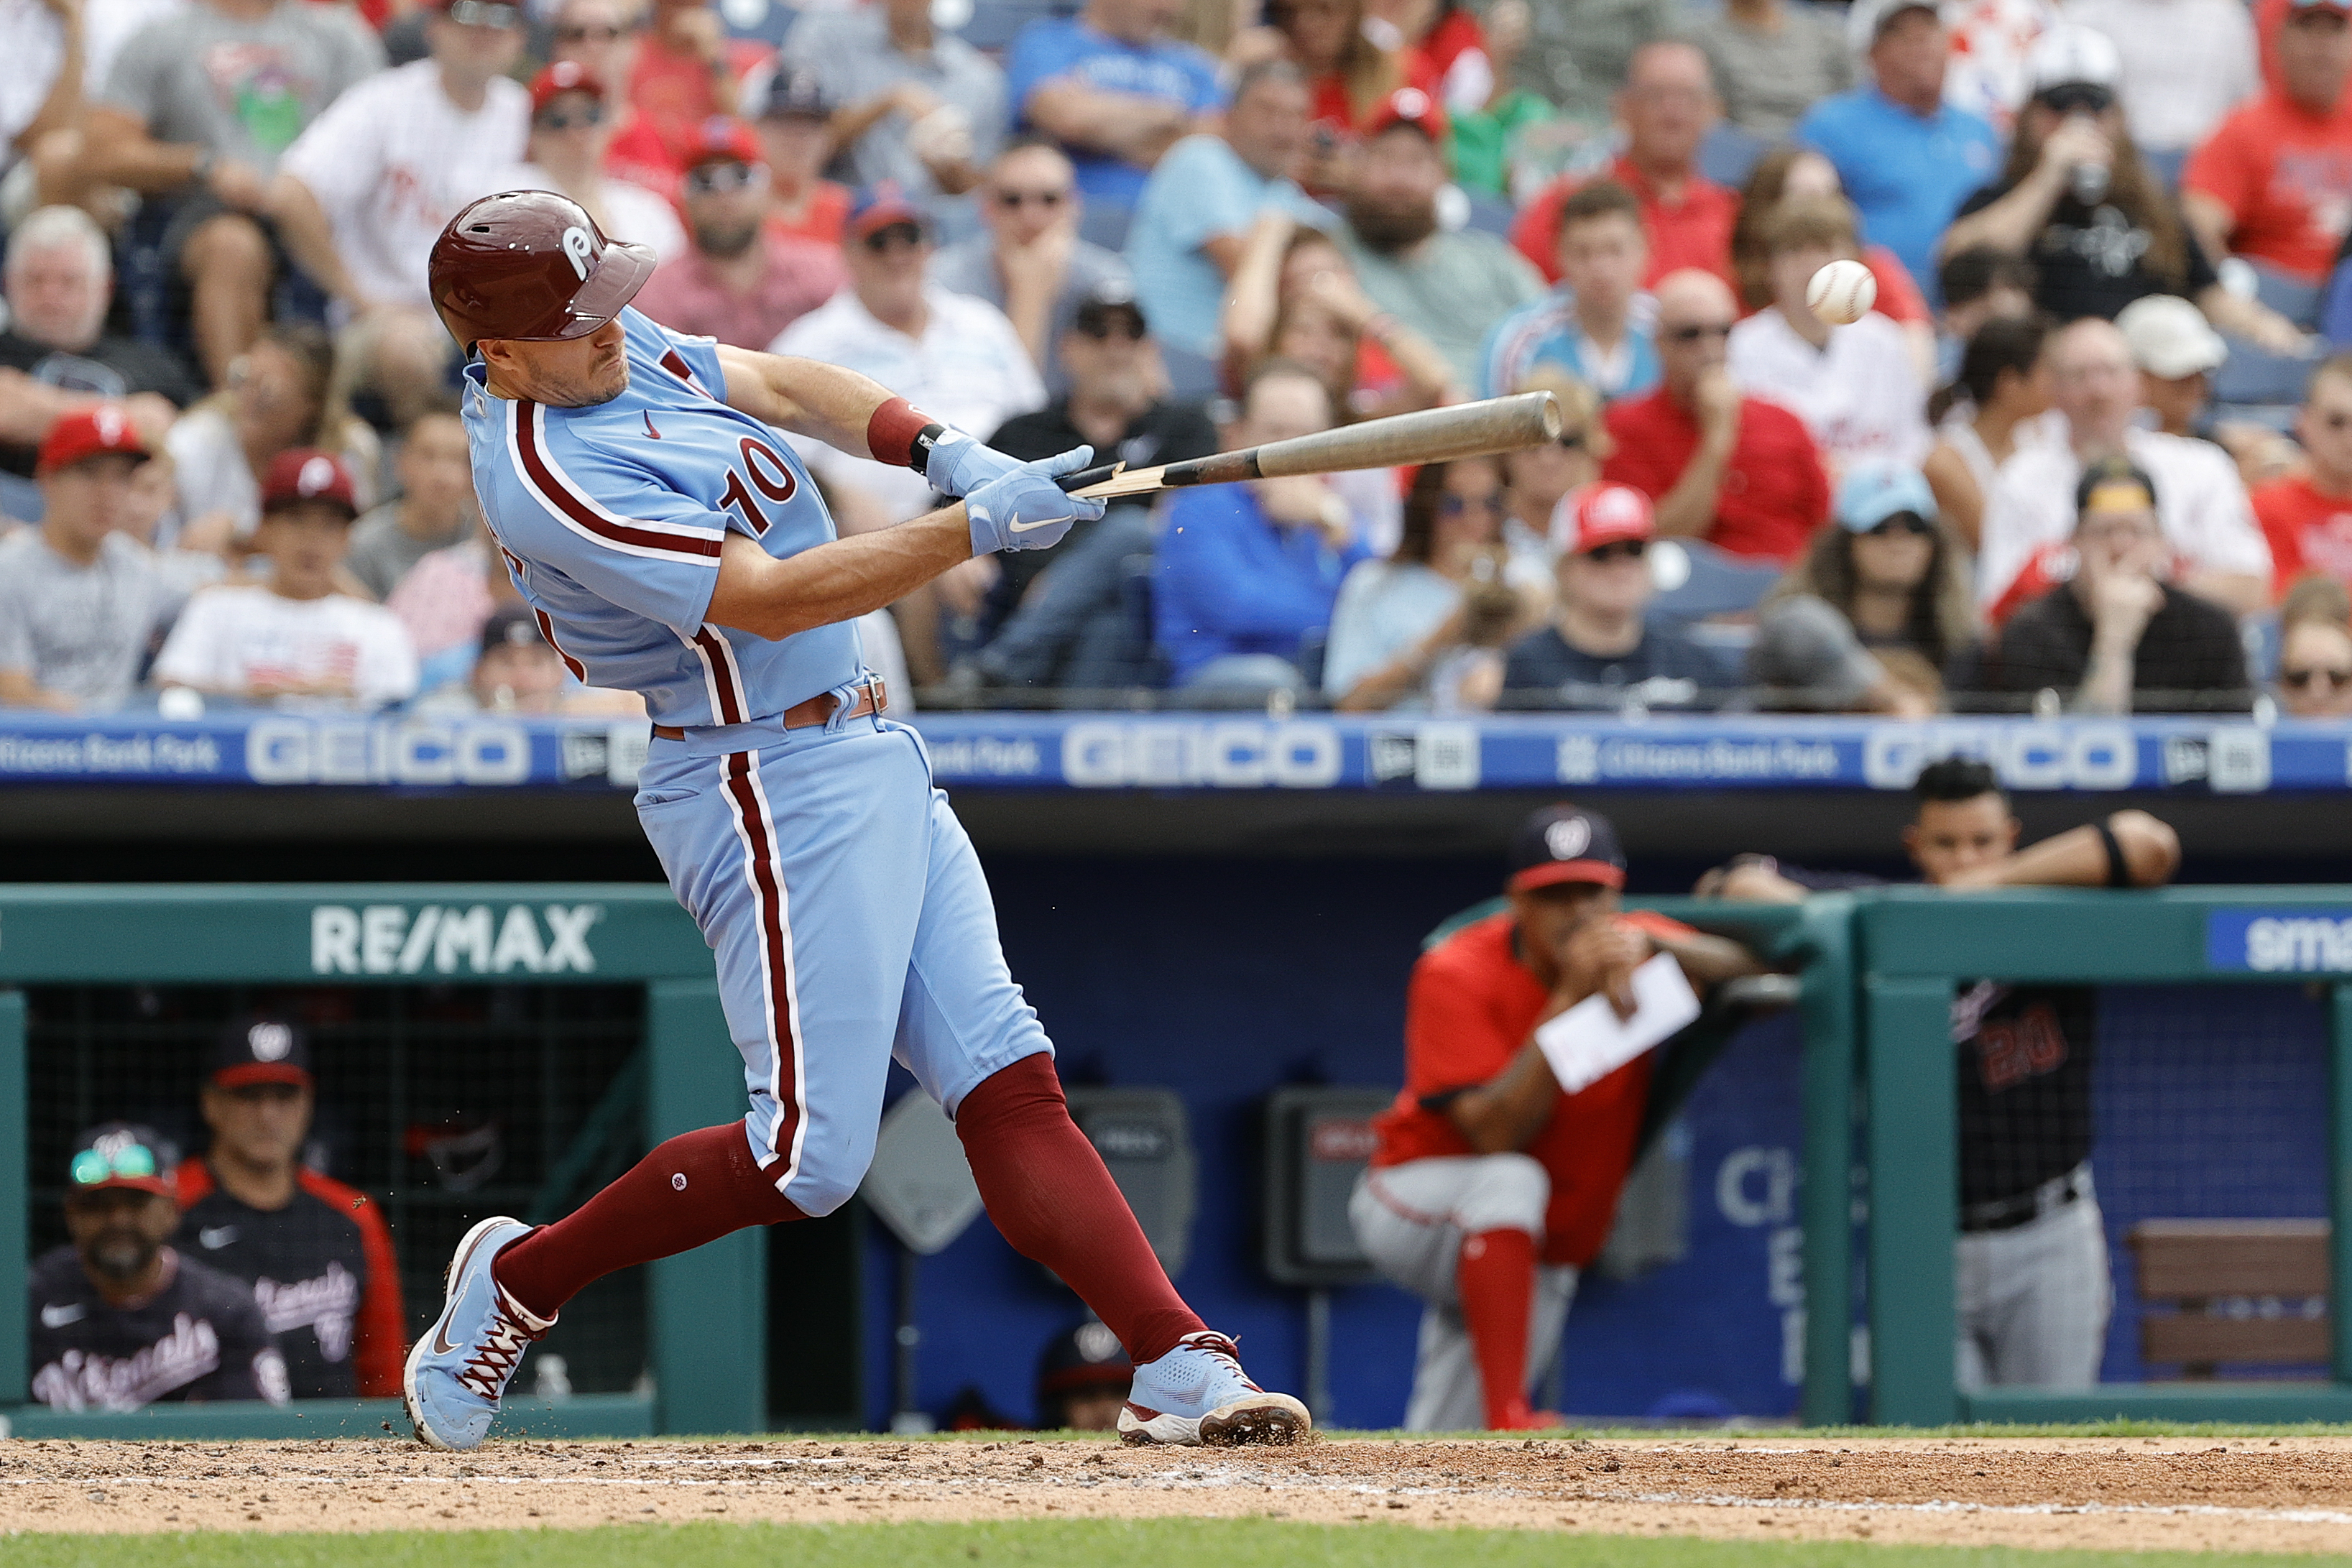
667,540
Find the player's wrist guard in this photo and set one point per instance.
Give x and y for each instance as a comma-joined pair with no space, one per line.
902,435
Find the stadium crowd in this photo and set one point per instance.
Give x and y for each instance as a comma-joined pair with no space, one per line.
2092,450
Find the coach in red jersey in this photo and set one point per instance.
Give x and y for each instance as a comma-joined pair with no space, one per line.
315,1252
1492,1188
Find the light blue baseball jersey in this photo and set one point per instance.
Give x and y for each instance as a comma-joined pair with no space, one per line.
611,518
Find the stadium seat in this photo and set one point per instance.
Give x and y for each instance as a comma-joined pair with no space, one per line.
2208,1269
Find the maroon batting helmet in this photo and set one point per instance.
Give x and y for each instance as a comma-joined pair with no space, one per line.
531,264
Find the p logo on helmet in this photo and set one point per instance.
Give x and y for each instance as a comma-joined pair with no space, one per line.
578,250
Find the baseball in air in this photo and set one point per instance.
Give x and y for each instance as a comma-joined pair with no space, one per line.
1842,292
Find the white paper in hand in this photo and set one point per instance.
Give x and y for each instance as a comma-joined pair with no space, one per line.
1590,1041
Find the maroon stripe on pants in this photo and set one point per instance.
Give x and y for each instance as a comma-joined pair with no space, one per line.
783,1032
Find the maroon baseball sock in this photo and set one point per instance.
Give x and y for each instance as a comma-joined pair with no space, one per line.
1496,1274
1047,1191
695,1188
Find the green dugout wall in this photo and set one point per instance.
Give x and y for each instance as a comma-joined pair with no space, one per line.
1878,973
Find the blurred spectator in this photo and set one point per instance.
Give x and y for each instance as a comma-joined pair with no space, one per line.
601,37
1295,296
1738,471
445,602
2307,517
1508,138
1441,41
686,70
742,280
1246,575
1450,286
1994,405
792,123
314,1252
950,354
117,1319
1540,478
1114,89
570,142
79,600
1991,45
2080,202
42,101
2030,513
435,508
2273,183
1855,386
55,354
1425,629
198,107
366,190
910,104
1028,260
2177,353
1597,324
1667,106
2183,65
1114,404
1875,612
516,670
1598,652
1351,77
1772,60
297,637
1582,52
1083,1377
2314,668
1908,158
1194,218
1794,174
2118,637
1978,284
280,393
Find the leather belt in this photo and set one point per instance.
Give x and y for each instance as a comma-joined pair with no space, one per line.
2007,1214
872,697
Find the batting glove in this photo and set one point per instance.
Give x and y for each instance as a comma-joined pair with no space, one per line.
958,465
1026,509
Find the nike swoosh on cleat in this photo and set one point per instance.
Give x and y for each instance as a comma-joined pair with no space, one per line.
441,1345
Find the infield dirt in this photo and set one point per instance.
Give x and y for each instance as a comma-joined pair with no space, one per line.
2245,1494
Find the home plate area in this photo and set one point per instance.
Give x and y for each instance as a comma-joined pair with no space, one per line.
2243,1494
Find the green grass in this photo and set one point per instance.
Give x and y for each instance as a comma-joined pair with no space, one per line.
1073,1543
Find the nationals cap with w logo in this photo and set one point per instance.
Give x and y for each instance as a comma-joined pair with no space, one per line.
1566,843
531,264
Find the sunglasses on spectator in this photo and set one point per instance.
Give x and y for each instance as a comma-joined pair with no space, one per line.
590,113
1013,201
1621,550
883,238
1102,329
484,14
1692,335
604,33
717,179
1454,506
2312,674
2077,98
1902,523
92,1166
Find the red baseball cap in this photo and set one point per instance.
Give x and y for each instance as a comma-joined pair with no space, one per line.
305,473
92,432
1409,106
877,207
562,76
1601,515
723,139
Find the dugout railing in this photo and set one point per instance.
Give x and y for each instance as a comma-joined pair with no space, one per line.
705,1348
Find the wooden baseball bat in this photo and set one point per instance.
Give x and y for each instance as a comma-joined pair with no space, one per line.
1431,435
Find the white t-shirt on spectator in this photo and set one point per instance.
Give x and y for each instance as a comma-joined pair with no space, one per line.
229,638
36,53
393,160
211,474
624,211
1860,395
2198,498
968,369
2186,63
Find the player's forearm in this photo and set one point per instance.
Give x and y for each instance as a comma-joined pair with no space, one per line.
1708,959
1501,1114
836,582
806,396
2078,858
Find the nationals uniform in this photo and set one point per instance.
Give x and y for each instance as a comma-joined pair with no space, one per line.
610,518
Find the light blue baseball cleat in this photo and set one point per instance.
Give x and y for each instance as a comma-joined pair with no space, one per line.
458,1369
1198,1393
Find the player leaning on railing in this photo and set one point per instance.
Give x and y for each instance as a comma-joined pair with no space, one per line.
2033,1263
670,542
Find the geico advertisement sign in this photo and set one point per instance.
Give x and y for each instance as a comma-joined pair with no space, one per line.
1223,753
2026,756
393,939
295,751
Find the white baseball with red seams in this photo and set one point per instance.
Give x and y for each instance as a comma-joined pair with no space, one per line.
1842,293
